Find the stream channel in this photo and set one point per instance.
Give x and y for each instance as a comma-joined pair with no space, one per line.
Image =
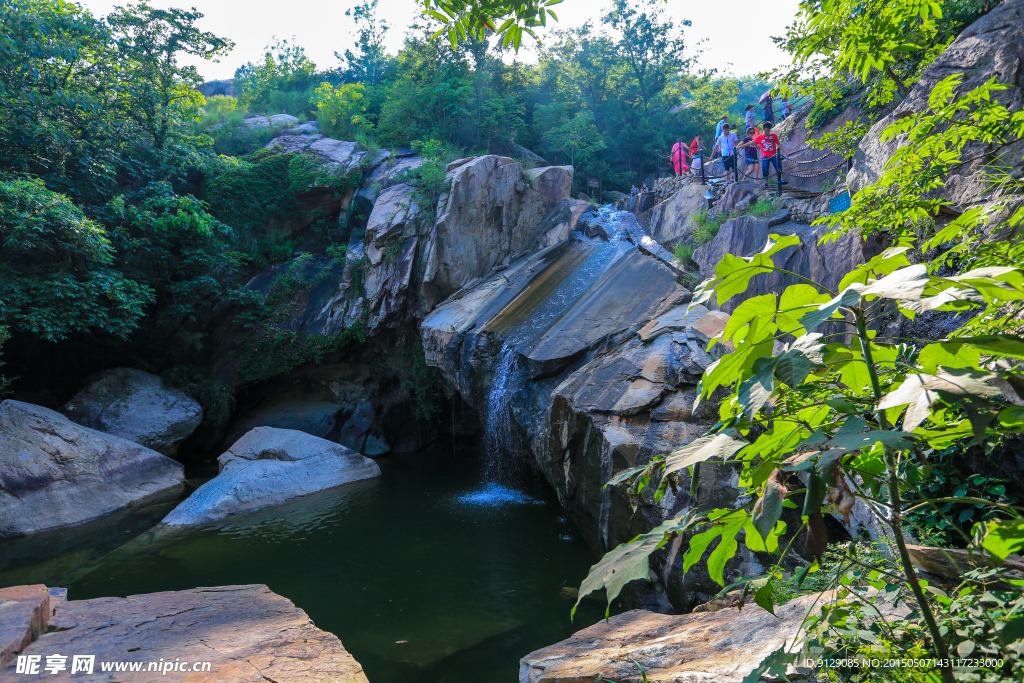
427,574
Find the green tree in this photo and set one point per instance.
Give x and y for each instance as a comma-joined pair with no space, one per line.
367,65
340,110
155,90
577,138
56,268
651,46
285,67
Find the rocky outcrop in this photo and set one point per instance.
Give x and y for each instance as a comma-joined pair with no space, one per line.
738,197
269,466
599,356
988,48
226,87
136,406
247,634
24,615
272,121
723,646
674,220
56,473
826,263
488,214
391,241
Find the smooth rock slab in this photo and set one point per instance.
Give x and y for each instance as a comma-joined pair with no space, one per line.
269,466
722,646
136,406
247,633
55,473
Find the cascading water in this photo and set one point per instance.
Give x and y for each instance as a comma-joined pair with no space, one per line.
500,464
503,468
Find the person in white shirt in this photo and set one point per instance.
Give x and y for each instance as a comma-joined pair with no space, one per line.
749,117
726,144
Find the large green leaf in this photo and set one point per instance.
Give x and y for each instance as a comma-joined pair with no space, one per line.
768,508
733,274
1003,537
628,562
755,391
748,310
722,446
1008,345
920,391
817,316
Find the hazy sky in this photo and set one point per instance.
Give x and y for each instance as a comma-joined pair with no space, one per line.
738,33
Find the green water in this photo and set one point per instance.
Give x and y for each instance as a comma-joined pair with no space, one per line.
426,574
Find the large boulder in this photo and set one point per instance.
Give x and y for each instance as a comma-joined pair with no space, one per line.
136,406
56,473
246,634
674,220
483,221
826,263
269,466
989,48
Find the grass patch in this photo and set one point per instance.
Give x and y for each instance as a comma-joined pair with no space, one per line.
707,226
762,208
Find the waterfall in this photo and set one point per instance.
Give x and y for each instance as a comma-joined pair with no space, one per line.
501,462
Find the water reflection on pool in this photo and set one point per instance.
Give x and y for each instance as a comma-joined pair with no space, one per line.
426,574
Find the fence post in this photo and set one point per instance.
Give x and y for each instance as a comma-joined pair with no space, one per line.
735,166
703,175
778,169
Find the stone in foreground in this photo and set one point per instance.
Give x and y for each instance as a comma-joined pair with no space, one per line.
246,633
270,466
55,473
722,646
136,406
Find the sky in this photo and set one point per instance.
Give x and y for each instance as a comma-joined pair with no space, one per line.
736,35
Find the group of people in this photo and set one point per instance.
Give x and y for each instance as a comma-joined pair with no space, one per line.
643,189
759,144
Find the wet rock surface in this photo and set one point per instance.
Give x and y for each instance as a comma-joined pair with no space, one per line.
269,466
136,406
245,633
56,473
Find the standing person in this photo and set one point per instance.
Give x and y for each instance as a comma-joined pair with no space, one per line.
769,111
697,153
749,117
679,159
726,144
786,111
750,153
770,146
718,128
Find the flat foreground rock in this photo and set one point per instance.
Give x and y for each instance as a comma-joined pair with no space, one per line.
245,633
722,646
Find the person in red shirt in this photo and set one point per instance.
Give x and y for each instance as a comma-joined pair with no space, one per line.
770,146
696,152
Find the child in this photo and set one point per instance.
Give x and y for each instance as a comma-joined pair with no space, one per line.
750,153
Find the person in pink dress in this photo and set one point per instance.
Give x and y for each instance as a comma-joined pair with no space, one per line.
679,158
